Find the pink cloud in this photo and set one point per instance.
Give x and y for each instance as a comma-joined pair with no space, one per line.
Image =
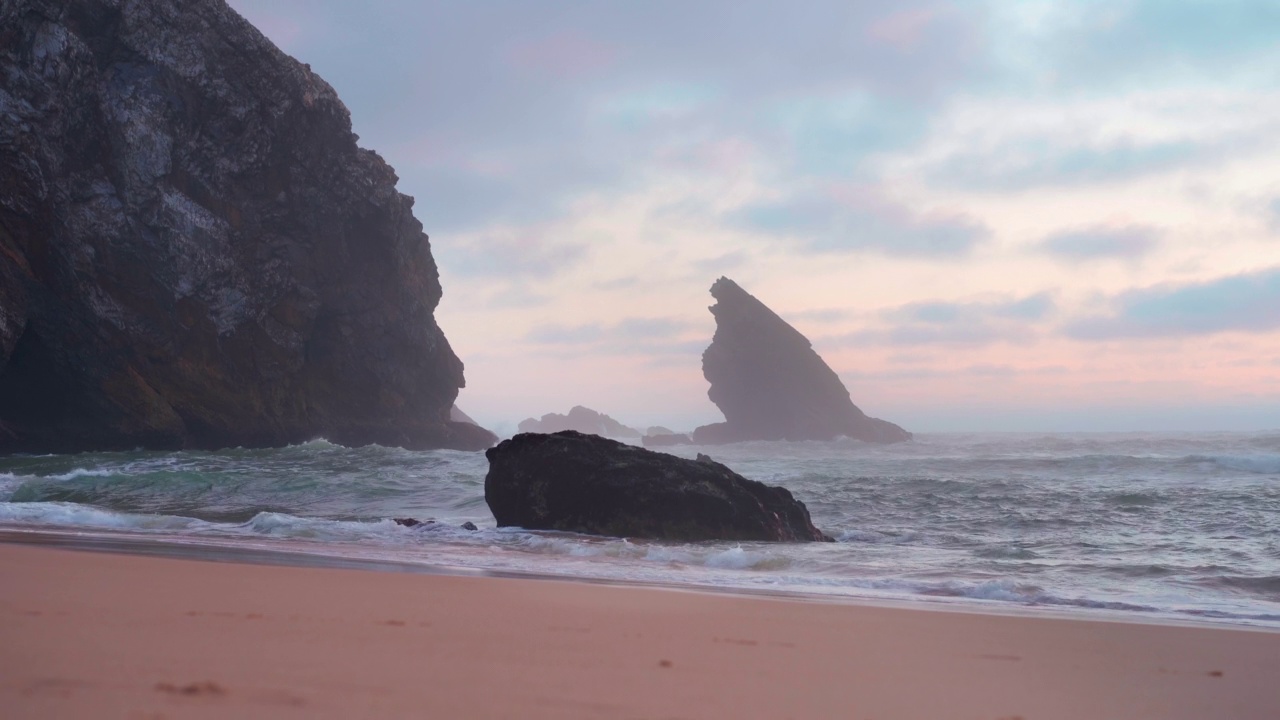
566,54
904,29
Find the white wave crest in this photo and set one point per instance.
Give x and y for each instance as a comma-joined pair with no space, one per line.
734,558
1261,464
737,558
73,514
10,482
291,526
76,473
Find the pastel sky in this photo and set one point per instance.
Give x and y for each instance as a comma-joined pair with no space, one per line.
1005,215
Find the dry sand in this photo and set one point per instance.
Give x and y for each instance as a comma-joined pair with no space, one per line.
94,635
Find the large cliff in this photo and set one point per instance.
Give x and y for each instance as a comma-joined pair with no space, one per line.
194,252
771,385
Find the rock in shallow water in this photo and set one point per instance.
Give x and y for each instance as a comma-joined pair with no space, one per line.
584,483
194,252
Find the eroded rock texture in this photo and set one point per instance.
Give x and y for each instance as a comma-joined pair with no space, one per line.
771,385
576,482
194,252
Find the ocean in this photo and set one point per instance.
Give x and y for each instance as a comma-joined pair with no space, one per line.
1165,526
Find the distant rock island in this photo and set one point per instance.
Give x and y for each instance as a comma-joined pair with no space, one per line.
194,252
581,419
771,385
578,482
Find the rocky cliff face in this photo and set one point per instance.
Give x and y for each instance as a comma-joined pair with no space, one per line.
194,252
771,385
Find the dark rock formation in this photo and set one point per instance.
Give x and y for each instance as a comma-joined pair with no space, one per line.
194,252
585,483
582,419
771,385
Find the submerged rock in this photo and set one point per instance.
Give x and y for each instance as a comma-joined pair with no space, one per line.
582,419
576,482
430,524
771,385
194,252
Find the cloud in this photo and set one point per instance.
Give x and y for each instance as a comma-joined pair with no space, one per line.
624,282
505,111
564,54
821,315
652,335
904,30
1049,161
1101,242
1241,303
1158,40
951,323
507,255
1273,212
839,134
980,370
1090,47
719,265
860,221
515,295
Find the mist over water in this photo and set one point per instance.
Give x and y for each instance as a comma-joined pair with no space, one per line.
1156,524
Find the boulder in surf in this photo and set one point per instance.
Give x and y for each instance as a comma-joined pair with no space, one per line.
576,482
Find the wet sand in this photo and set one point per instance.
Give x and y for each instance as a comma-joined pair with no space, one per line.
97,635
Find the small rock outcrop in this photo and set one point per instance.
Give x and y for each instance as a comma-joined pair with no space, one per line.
194,251
581,419
666,440
771,385
584,483
429,524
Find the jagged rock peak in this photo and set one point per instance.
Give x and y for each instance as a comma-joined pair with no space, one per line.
194,252
770,383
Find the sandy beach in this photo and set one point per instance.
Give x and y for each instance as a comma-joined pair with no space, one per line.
90,634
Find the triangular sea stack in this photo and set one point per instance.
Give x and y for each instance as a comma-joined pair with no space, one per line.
771,385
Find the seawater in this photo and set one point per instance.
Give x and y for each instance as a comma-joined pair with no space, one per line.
1141,524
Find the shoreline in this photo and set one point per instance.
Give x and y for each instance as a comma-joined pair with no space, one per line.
299,554
309,554
112,635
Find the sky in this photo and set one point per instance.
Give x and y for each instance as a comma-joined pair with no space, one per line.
1032,215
